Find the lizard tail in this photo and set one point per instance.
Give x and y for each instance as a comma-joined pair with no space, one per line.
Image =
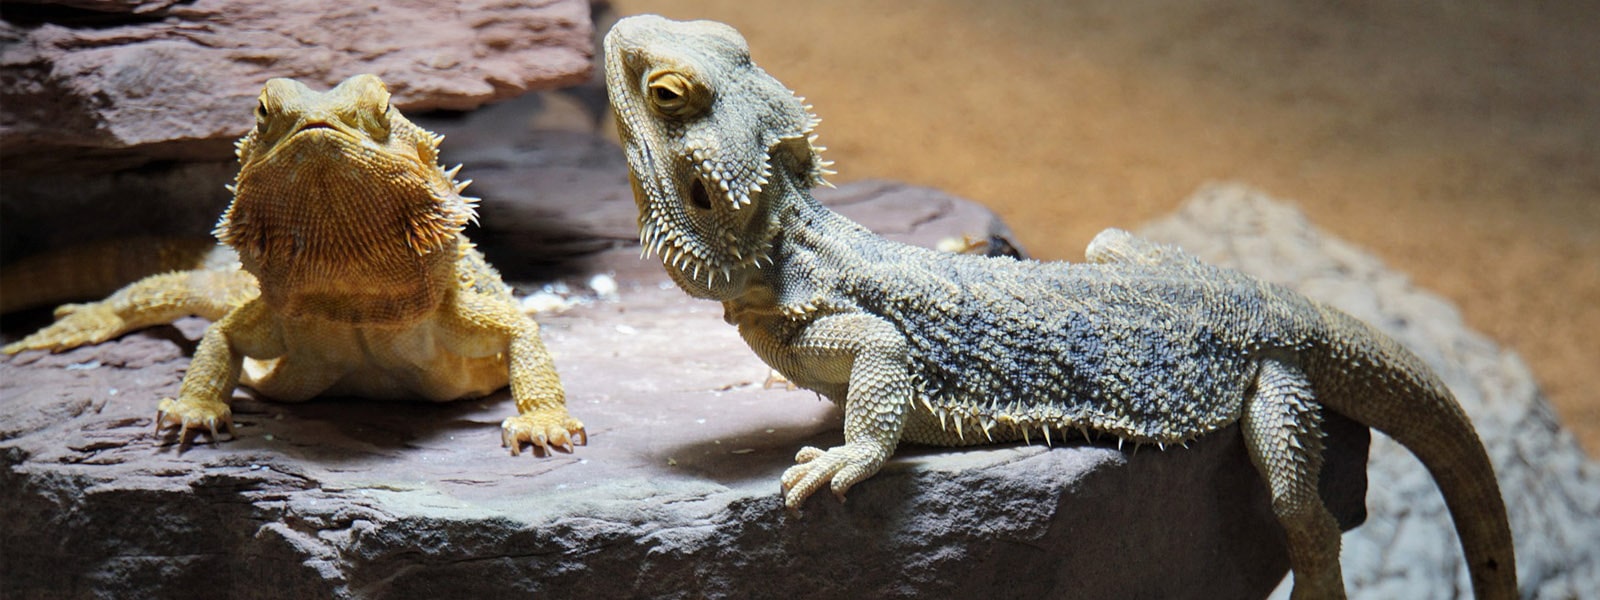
95,270
1406,401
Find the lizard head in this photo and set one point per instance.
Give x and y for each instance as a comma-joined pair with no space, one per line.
710,139
339,193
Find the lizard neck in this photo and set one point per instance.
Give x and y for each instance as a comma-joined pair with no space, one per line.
819,258
356,269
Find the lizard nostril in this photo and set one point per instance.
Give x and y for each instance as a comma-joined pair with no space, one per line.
698,197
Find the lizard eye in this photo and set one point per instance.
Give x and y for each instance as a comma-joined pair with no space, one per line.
378,123
382,107
261,115
673,94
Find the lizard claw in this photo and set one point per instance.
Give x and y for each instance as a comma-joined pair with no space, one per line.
545,430
839,467
186,414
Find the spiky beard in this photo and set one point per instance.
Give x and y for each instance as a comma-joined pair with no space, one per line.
368,223
666,231
325,217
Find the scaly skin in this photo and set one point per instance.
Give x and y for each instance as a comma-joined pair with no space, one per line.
1144,342
345,273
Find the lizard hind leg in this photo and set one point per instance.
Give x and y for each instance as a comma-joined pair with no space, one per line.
1282,430
154,300
1115,246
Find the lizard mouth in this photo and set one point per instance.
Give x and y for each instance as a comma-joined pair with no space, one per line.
316,127
322,128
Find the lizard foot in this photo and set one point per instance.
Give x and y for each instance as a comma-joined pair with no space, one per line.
840,467
76,325
199,415
545,430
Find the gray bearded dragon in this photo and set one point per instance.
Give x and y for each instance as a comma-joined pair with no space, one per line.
1144,342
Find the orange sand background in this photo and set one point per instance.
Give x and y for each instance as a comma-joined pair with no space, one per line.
1459,142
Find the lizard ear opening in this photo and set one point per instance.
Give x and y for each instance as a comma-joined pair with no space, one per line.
698,197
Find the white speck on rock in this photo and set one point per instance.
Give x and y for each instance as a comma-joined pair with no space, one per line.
604,286
544,302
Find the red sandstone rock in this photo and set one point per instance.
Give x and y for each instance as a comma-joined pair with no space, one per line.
111,84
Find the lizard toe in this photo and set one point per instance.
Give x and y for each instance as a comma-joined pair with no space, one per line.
83,324
793,475
799,482
544,430
68,309
839,467
808,454
188,415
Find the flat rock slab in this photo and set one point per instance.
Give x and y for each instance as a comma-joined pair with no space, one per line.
675,496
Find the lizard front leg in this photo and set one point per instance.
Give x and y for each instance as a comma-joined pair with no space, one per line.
869,356
483,324
542,418
214,372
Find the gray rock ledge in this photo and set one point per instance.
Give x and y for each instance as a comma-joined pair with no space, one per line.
1408,547
676,495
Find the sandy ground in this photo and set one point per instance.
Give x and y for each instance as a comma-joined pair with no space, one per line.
1459,142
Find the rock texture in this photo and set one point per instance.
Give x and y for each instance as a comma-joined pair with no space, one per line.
93,79
1407,549
129,108
676,495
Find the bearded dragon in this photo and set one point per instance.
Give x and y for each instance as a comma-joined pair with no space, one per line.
1143,342
344,272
